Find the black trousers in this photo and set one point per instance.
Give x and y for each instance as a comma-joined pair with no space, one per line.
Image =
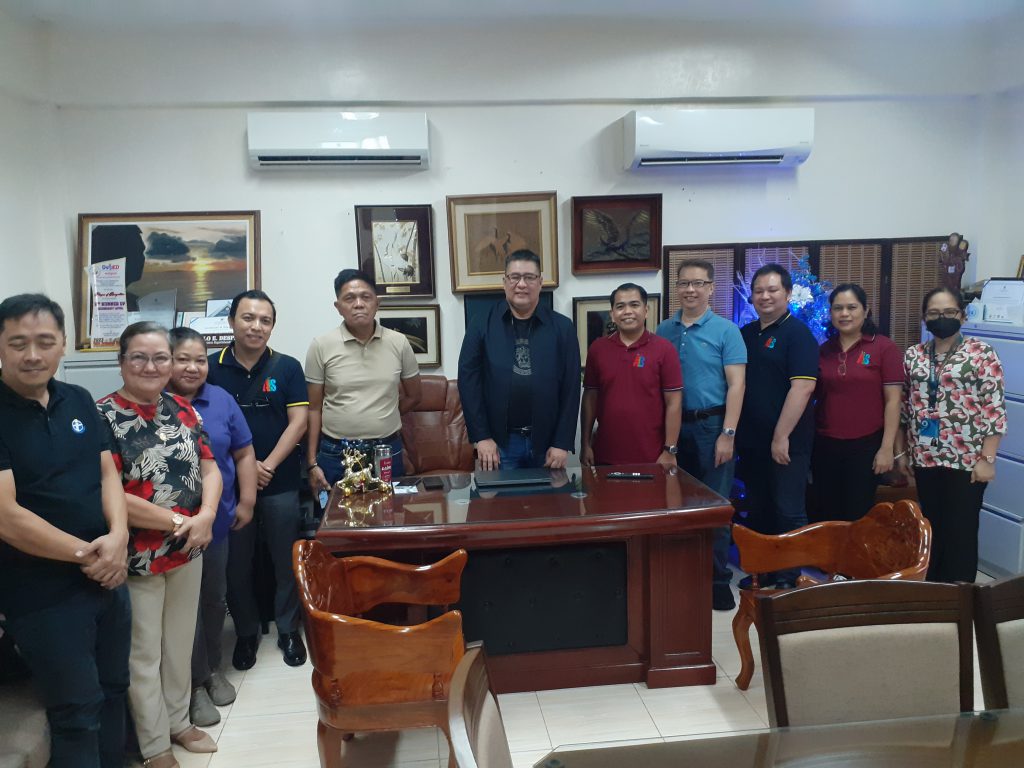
952,503
844,483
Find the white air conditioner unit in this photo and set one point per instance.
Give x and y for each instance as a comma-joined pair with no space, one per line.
769,136
354,139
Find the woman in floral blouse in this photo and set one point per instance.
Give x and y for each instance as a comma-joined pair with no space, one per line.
953,416
173,488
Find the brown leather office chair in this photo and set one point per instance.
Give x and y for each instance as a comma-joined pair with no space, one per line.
369,676
892,541
866,650
999,623
434,436
474,720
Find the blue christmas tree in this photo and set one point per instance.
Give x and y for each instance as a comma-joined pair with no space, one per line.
809,302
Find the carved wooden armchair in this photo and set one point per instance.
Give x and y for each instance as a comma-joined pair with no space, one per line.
892,541
369,676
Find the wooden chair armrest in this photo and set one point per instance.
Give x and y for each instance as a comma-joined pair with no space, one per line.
817,545
373,581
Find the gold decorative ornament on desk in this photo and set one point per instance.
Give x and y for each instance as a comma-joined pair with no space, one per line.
358,477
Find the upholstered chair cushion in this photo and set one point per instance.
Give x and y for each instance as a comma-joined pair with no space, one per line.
850,674
1011,644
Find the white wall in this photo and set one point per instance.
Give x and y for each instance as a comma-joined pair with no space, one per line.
151,122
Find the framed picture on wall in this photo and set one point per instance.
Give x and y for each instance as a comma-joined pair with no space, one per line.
617,233
396,248
172,268
484,229
421,326
593,319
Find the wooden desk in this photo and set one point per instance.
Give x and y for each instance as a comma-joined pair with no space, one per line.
662,527
979,740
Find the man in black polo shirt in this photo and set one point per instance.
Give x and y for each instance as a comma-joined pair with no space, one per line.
63,540
777,427
271,390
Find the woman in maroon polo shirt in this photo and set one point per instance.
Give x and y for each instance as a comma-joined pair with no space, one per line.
860,384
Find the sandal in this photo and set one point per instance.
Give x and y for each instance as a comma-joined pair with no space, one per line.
163,760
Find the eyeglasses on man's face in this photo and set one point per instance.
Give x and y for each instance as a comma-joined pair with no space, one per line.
698,284
139,360
935,314
530,278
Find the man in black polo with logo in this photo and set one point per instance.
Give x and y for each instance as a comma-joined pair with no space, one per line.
63,540
271,390
776,429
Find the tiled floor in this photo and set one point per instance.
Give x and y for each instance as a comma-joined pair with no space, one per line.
273,720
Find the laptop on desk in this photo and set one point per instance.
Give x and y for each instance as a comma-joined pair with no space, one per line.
502,478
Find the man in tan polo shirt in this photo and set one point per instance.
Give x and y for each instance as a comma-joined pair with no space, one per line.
360,376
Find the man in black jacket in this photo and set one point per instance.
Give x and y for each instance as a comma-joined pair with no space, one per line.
519,376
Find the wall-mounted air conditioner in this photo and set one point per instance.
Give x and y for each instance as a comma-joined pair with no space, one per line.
679,137
354,139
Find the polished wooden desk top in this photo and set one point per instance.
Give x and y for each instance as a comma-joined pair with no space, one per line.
579,504
979,740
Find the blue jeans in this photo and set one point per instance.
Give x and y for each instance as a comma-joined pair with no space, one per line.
329,456
78,653
697,456
519,453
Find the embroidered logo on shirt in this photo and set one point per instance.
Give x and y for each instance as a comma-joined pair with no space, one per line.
770,344
864,359
639,361
270,385
77,427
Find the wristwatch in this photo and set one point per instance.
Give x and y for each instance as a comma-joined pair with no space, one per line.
728,431
178,520
989,459
670,449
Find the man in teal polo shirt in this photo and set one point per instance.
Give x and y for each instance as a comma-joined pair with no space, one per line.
714,359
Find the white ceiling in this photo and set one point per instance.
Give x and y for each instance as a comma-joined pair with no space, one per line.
818,14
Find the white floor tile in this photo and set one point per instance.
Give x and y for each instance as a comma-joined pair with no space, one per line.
527,759
602,713
524,722
699,709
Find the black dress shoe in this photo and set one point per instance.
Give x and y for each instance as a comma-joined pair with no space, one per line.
245,652
293,649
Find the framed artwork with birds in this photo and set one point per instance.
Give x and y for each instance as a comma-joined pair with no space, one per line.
484,229
395,244
616,233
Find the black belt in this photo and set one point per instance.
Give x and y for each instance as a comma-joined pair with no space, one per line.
703,413
521,431
389,439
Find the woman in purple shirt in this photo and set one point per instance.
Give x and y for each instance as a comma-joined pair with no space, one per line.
231,441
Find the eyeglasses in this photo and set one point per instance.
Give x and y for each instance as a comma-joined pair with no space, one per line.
935,314
842,363
698,284
528,278
139,360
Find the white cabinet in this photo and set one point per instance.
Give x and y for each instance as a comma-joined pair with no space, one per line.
1001,527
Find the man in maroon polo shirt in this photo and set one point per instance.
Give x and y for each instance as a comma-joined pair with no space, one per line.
633,388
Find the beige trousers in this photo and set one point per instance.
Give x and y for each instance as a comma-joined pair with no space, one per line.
163,628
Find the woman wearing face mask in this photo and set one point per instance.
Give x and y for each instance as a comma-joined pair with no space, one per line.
860,383
953,417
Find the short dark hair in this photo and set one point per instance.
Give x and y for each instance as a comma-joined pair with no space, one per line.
16,307
181,334
139,329
704,264
774,269
936,291
348,275
628,287
869,326
523,254
252,293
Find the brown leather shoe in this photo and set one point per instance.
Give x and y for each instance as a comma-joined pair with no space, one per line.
163,760
195,740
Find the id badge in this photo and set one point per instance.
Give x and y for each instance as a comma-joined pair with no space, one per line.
929,431
323,499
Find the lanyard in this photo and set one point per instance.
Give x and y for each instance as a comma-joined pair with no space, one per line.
934,373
